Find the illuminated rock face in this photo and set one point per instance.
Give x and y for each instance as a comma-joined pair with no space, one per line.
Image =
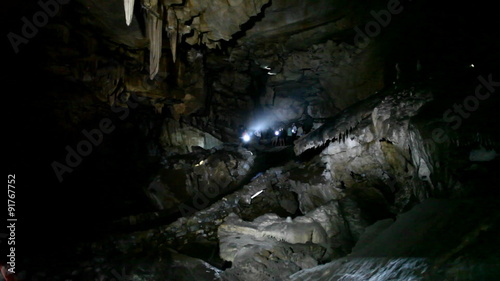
388,249
195,179
374,143
268,227
287,244
270,242
181,140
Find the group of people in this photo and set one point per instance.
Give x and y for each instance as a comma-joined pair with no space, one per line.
278,136
286,136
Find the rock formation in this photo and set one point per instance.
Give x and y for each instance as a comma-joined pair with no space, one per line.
125,135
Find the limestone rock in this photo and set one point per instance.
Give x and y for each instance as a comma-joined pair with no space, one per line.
198,177
365,148
270,247
398,251
180,139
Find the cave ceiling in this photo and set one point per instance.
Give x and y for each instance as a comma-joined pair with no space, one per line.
173,53
215,65
306,56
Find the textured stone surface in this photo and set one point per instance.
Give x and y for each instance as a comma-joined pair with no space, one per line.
179,138
281,25
199,176
300,230
370,144
324,233
270,247
415,247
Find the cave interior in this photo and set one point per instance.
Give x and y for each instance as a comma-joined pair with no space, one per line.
124,133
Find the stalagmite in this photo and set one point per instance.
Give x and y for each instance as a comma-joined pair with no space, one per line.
129,10
154,31
172,26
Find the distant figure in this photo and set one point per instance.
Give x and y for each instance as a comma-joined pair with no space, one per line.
300,131
289,135
241,130
246,139
294,132
258,135
275,137
281,137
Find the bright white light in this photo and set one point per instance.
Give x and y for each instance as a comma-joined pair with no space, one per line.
271,73
471,65
266,67
276,133
256,194
246,138
262,121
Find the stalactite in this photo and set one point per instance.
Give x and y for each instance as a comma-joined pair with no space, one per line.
154,31
172,27
129,10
